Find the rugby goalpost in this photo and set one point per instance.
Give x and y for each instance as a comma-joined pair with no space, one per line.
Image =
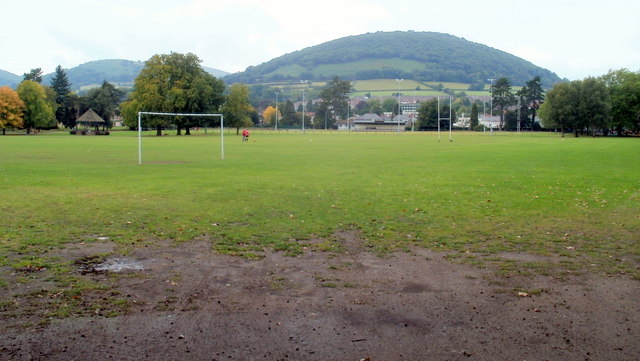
179,114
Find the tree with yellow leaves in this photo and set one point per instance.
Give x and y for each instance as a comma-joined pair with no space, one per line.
269,115
11,109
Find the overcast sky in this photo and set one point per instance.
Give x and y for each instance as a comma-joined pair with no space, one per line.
573,38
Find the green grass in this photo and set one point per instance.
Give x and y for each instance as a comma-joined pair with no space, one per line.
537,194
386,87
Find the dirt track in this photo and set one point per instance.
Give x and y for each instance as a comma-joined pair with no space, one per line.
191,304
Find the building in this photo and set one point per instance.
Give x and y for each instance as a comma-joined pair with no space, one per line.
375,123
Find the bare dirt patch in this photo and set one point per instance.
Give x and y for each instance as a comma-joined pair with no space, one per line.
187,303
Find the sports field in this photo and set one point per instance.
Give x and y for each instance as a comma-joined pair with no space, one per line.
319,246
476,198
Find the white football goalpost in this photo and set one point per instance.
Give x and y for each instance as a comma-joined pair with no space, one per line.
178,114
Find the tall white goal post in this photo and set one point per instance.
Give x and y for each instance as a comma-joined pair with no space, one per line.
179,114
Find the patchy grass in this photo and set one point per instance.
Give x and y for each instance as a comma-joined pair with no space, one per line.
576,201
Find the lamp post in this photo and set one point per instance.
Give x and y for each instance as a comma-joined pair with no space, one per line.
304,82
398,99
491,104
348,110
277,110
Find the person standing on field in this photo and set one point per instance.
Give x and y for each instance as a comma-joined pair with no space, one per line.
245,135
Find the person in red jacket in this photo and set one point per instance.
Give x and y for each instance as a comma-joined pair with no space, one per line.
245,135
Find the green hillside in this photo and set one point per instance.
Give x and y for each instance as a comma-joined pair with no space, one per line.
421,56
117,71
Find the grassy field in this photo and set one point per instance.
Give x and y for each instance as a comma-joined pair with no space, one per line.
477,198
389,87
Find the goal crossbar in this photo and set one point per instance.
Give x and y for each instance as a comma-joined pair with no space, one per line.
140,114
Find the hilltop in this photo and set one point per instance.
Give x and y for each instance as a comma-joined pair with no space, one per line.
421,56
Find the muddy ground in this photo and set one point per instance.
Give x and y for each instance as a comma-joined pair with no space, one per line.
187,303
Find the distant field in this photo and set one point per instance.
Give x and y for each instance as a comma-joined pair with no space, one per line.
389,87
386,84
477,197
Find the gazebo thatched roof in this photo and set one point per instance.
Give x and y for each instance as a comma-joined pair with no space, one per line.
90,117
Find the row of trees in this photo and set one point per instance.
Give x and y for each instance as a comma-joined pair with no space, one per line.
173,83
610,103
36,106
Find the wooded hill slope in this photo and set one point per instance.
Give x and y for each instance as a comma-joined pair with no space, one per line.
422,56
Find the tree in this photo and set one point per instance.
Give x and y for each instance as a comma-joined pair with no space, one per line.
269,115
560,110
594,104
473,120
67,107
310,107
34,75
502,97
428,115
335,96
11,109
375,106
173,83
104,101
361,107
624,92
289,113
237,108
38,112
390,105
534,96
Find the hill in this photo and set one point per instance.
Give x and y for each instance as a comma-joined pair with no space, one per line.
421,56
9,79
117,71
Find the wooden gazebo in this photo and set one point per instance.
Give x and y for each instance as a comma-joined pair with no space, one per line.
90,119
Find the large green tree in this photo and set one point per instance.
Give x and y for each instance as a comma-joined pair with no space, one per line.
66,111
38,112
335,96
428,115
173,83
594,105
237,109
560,108
624,90
502,97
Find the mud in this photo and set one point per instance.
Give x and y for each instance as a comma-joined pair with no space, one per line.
188,303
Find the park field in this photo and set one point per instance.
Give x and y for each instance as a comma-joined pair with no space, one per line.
575,200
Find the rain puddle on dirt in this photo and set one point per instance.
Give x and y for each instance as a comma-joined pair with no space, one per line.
99,264
119,265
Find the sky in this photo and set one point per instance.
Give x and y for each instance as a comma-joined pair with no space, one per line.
573,38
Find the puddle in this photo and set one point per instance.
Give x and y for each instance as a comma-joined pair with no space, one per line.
99,264
119,265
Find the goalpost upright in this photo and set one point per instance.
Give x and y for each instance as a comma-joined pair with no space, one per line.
179,114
